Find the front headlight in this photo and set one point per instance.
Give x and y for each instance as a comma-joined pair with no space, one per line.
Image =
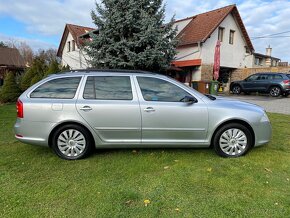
265,118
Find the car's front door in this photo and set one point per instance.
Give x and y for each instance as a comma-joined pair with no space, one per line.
110,106
250,83
165,117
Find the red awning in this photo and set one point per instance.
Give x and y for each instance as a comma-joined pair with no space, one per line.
187,63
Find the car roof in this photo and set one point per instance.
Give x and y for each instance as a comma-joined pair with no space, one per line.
82,72
270,73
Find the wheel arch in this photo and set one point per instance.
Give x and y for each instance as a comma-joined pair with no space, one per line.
242,122
68,123
275,85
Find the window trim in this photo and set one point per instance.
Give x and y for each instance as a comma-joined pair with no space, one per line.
94,99
50,79
140,94
232,39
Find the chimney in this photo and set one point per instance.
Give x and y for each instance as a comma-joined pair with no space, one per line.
269,51
268,61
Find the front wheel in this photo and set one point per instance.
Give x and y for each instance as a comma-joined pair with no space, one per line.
72,142
237,89
232,140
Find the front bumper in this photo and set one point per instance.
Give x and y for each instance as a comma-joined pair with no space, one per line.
263,133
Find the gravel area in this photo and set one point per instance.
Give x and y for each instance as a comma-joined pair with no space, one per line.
275,105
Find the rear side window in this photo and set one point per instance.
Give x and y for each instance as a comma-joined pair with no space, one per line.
277,77
108,88
62,88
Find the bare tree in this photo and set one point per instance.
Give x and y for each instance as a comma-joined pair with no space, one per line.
26,52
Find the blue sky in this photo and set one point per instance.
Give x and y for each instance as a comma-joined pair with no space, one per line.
40,23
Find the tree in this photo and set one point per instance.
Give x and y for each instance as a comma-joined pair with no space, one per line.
10,90
53,67
3,45
131,35
26,52
34,73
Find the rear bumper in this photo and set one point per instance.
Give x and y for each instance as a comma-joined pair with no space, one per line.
31,140
35,133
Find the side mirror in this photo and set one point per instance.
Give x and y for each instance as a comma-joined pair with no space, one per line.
189,99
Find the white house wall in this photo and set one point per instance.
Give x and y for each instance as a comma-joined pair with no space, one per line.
74,59
231,55
181,24
187,53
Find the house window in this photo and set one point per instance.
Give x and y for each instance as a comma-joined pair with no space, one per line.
258,62
221,34
231,39
68,46
247,50
73,45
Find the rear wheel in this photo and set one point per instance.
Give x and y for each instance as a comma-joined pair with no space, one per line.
237,89
232,140
72,142
275,91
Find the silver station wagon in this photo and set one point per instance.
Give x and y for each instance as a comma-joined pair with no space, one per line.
77,111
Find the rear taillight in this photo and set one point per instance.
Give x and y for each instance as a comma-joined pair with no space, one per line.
19,107
286,81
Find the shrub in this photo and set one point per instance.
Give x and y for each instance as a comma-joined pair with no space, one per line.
10,90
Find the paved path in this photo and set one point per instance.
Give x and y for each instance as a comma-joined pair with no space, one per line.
275,105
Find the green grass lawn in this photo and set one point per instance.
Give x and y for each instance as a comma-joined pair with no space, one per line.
34,182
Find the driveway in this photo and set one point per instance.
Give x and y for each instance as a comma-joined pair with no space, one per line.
275,105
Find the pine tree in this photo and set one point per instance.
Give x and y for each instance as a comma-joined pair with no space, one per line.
131,35
53,67
34,73
10,90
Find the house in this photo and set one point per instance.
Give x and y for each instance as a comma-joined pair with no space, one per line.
265,60
70,48
10,61
197,37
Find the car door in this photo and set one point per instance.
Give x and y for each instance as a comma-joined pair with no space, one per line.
262,82
165,118
250,83
109,104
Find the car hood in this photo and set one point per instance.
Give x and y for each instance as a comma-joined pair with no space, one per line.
237,104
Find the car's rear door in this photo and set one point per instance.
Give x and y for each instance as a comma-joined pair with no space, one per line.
110,106
165,118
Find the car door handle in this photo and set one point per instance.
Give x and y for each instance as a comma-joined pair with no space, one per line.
149,109
86,108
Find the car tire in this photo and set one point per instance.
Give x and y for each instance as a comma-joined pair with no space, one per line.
72,142
232,140
236,89
275,91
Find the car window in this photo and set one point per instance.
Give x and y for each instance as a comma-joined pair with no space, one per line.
277,77
253,77
108,88
263,77
62,88
154,89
